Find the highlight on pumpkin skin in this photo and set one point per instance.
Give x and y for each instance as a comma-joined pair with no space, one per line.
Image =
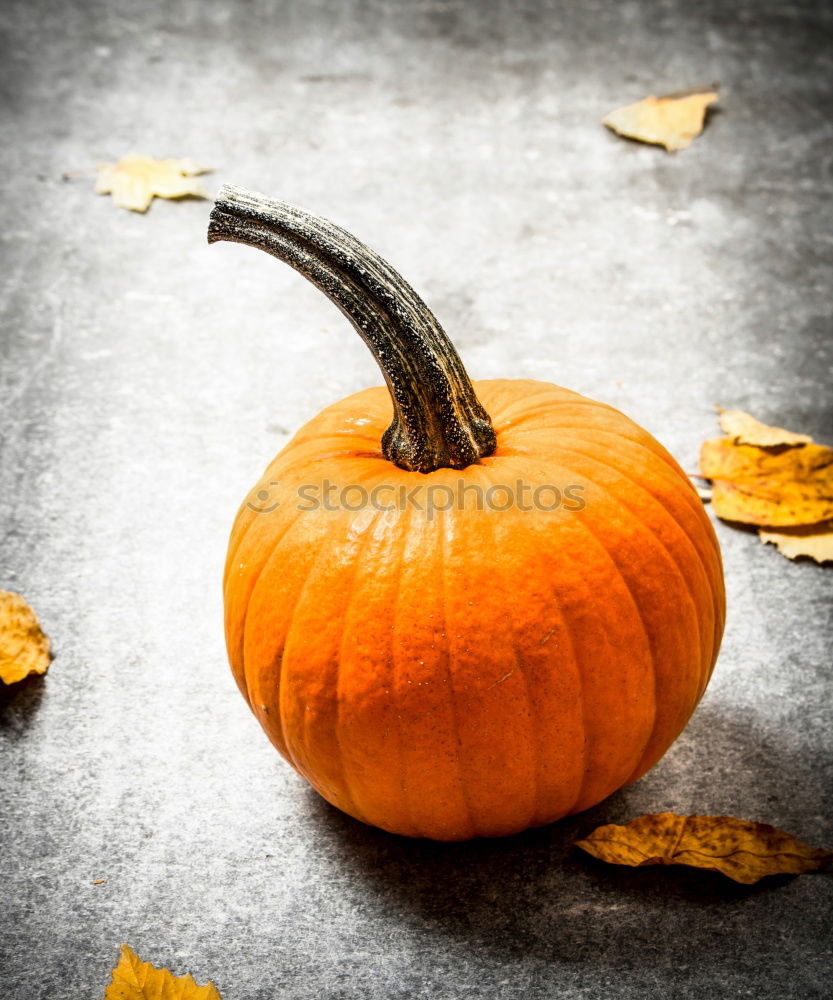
466,674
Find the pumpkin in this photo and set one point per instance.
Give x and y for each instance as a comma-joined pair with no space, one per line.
461,609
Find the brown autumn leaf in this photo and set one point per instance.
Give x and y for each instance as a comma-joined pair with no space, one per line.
744,851
134,979
771,488
814,542
136,180
672,121
744,429
24,649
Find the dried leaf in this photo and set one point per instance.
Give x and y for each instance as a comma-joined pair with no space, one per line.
671,121
24,649
744,429
134,979
744,851
135,180
769,488
815,542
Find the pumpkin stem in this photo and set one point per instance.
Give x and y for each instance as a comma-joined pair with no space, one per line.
438,420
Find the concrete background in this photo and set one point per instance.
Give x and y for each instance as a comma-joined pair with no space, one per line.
146,379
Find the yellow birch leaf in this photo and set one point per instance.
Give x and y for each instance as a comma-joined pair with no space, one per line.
24,649
134,979
136,180
672,121
744,429
814,542
744,851
769,488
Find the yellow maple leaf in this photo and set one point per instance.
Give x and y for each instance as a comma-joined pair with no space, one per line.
744,429
814,542
769,488
134,979
672,121
744,851
136,180
24,649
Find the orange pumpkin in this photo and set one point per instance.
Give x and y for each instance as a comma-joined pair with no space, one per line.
461,625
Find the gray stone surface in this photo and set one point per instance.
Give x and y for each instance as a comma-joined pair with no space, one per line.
146,379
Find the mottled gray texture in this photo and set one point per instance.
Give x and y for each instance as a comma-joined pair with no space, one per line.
146,380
